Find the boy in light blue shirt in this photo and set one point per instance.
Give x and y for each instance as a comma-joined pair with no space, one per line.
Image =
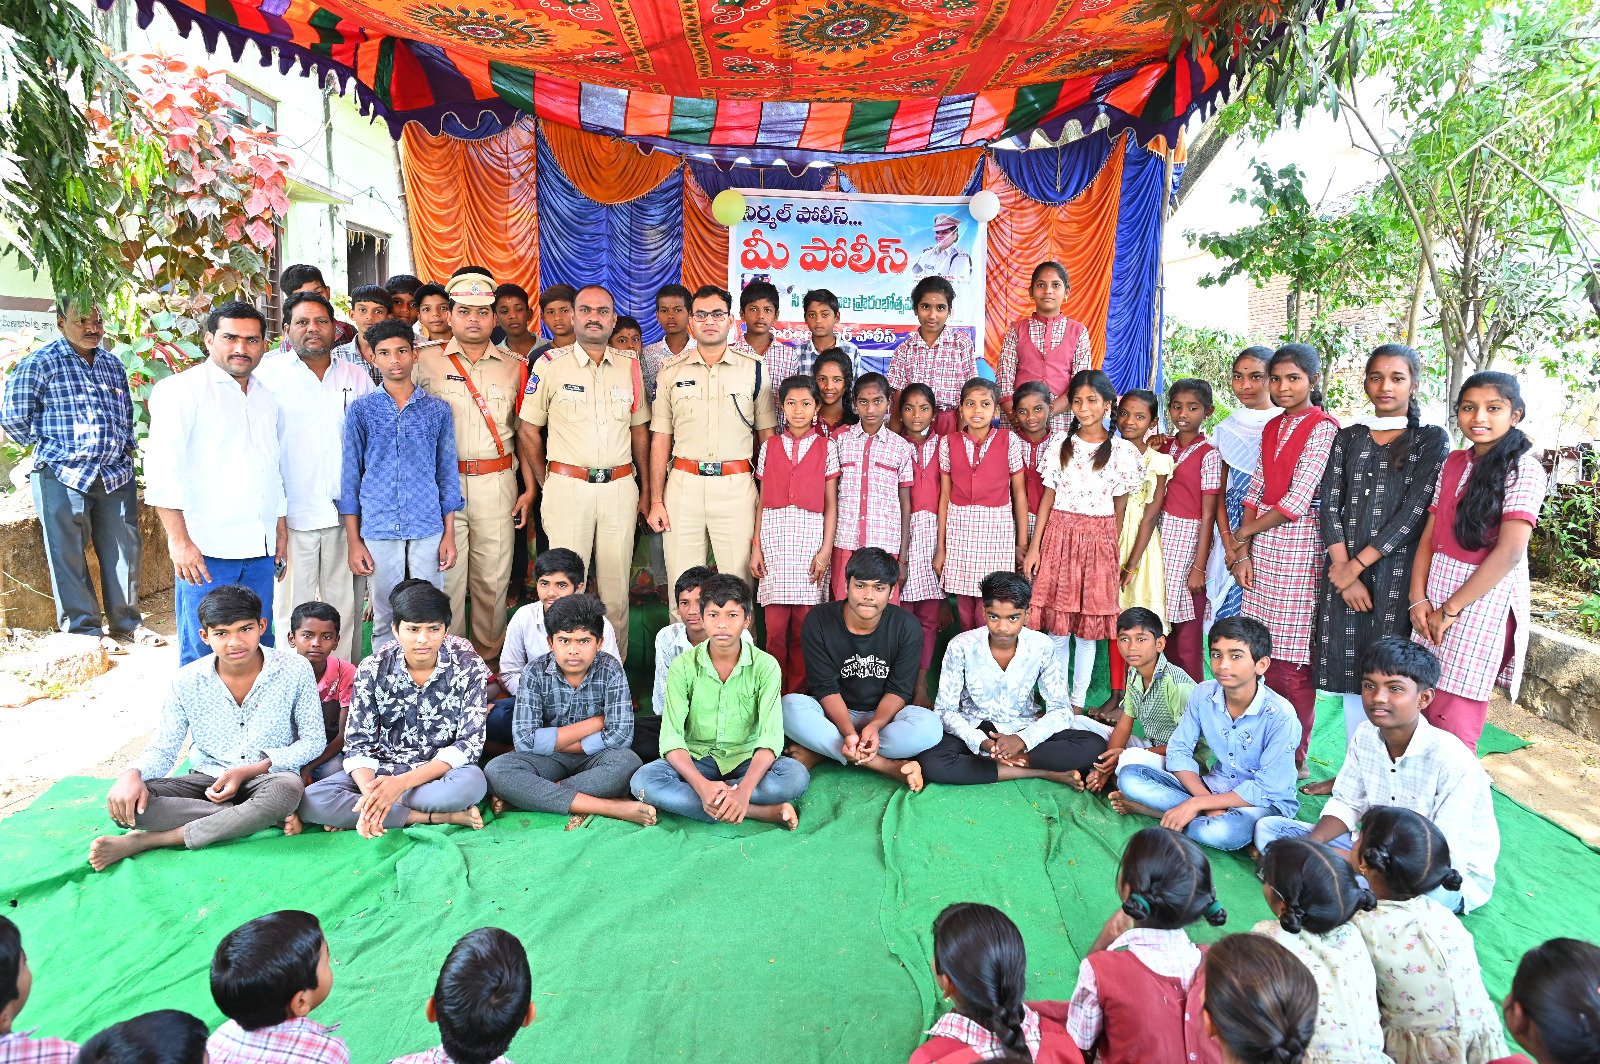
1252,733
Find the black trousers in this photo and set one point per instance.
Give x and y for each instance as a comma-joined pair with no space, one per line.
951,762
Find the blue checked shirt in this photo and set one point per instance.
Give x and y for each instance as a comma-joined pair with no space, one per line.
77,416
1254,755
400,466
546,702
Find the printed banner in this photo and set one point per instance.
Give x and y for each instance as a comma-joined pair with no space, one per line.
870,251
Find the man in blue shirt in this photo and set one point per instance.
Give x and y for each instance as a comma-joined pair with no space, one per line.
1252,733
400,489
70,401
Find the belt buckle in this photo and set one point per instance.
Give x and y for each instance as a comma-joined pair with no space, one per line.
472,467
711,469
599,476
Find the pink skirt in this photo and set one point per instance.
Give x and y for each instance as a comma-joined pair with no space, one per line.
1077,590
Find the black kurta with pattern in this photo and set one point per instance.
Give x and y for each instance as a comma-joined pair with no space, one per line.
1365,500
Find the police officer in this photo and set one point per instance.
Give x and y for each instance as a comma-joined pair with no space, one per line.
590,397
483,384
713,404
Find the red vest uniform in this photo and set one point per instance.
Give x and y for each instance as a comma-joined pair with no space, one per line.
786,483
1183,486
1149,1017
989,482
1053,365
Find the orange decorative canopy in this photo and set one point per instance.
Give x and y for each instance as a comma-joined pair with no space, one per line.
870,77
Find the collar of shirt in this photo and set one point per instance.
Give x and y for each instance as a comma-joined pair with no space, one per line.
581,357
551,670
730,354
492,351
1423,741
215,375
969,1032
1167,943
1219,700
1136,679
450,659
702,660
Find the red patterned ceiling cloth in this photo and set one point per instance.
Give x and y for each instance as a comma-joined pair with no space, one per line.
832,77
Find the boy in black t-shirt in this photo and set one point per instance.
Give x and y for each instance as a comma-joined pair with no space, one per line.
861,657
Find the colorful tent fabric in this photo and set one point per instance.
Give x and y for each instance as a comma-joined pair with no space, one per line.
608,213
876,77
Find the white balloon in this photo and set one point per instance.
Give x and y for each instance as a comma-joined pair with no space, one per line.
984,205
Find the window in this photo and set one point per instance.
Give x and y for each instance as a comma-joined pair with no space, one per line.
367,256
270,302
251,106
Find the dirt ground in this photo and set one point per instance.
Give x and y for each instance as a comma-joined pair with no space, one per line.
99,730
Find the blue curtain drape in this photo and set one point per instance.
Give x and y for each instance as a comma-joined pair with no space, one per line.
1131,319
1055,176
632,248
714,179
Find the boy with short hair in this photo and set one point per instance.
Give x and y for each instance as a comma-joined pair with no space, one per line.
511,314
1397,758
573,726
934,355
252,717
556,305
400,486
369,305
1156,694
627,335
267,976
1254,733
483,997
433,314
758,308
402,289
16,983
672,314
722,733
821,309
314,635
557,573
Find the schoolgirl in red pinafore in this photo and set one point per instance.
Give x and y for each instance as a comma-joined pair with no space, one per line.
921,593
981,501
1046,346
1286,561
799,473
1196,477
1030,415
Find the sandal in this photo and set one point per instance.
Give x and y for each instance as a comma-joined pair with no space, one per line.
111,646
143,637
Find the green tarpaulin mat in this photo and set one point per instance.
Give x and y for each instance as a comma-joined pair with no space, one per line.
709,943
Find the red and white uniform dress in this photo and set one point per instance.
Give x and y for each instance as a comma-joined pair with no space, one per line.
794,472
1032,479
1286,561
1044,349
944,366
1487,643
921,593
981,533
873,470
1197,472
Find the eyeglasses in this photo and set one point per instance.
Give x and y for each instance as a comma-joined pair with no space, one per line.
710,315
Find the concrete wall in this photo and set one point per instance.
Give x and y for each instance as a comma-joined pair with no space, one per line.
1561,681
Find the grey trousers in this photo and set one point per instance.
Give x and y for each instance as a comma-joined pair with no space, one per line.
71,520
180,801
394,560
546,783
332,801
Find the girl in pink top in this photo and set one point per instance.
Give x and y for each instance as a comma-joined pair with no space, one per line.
1469,582
1048,346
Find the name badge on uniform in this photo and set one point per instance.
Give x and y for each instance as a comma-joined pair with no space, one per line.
573,387
684,384
620,393
453,377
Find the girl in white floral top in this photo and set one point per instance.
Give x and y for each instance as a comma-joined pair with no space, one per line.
1430,989
1313,892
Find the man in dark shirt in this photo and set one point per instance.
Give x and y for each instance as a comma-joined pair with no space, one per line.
861,659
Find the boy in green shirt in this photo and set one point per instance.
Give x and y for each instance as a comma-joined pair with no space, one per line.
722,727
1157,692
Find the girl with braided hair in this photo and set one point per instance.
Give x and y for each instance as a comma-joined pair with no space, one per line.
1261,1001
981,967
1313,892
1553,1009
1430,988
1140,988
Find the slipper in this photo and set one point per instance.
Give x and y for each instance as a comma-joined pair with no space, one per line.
143,637
111,646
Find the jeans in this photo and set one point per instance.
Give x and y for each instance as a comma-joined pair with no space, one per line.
332,801
497,725
71,521
1272,828
1229,829
547,783
253,573
912,730
659,784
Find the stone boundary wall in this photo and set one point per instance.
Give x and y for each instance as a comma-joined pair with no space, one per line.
1561,681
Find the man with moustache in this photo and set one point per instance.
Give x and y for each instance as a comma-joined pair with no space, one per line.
212,472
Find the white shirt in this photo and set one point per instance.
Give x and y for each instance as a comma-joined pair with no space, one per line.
1437,777
1081,488
212,453
527,641
670,642
311,432
973,688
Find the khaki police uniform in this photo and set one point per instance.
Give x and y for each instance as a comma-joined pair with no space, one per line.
484,534
591,497
712,413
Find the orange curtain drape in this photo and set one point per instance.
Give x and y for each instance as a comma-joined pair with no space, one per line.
1081,235
473,201
603,168
705,240
944,174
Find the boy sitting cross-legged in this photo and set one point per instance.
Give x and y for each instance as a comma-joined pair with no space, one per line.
484,996
266,977
1156,693
16,982
722,729
1252,733
572,727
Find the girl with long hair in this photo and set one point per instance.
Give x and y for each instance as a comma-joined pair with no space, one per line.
921,593
1238,440
836,377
